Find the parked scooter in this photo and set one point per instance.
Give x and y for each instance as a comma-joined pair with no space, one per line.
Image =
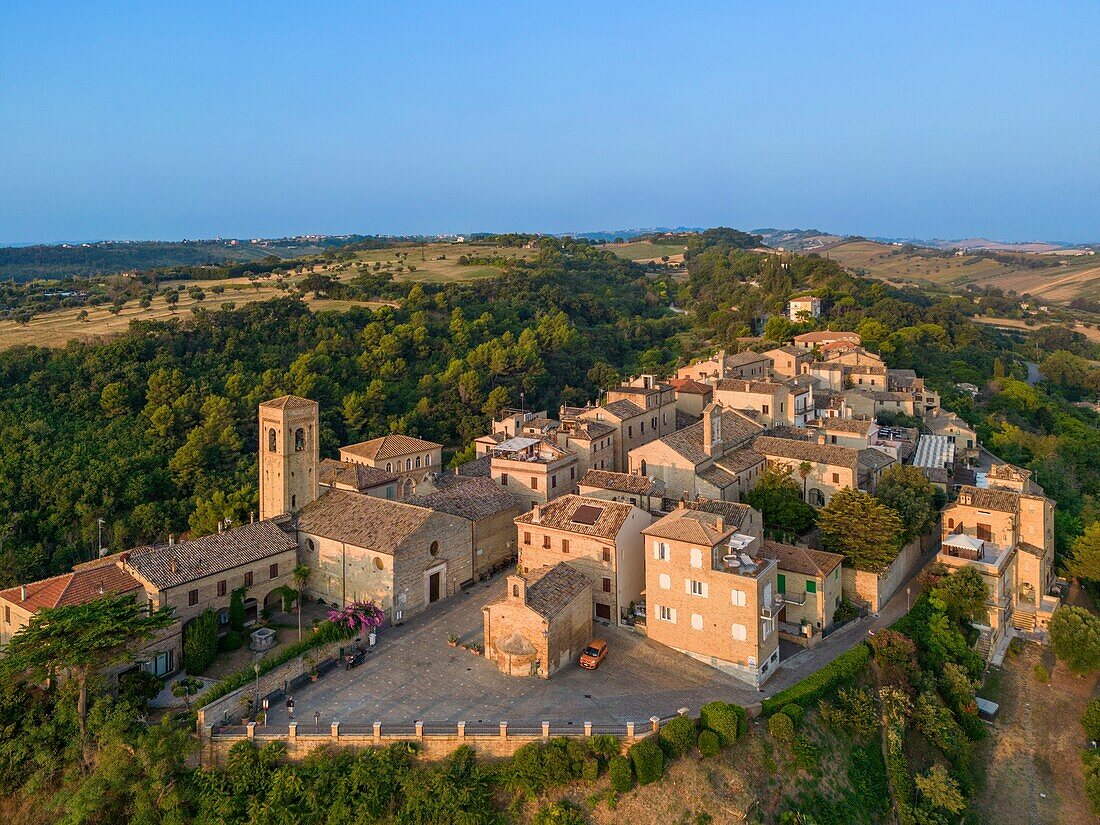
354,656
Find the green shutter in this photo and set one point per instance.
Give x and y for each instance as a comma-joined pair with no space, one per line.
811,586
782,583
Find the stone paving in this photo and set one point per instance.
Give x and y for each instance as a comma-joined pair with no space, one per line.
413,674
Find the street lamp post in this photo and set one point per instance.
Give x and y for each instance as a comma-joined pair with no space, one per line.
907,591
256,670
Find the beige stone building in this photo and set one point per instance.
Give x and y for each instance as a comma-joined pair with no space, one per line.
831,468
412,460
844,432
288,455
774,402
602,539
534,470
541,624
359,478
201,574
711,593
811,585
400,556
692,397
961,434
804,307
1006,532
822,338
490,510
712,459
642,491
747,365
789,361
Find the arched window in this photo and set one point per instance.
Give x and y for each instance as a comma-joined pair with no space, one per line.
299,440
271,440
389,467
293,502
817,498
434,549
428,460
950,523
515,590
310,545
642,467
418,462
408,463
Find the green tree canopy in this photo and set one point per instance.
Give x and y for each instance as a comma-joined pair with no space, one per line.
779,498
867,532
1085,561
908,492
1075,637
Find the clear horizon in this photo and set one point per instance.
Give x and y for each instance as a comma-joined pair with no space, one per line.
129,122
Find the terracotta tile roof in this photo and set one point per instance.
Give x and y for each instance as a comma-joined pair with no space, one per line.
827,335
478,468
82,585
737,461
745,358
352,474
717,477
988,498
695,526
742,385
858,426
874,459
622,482
168,566
559,513
802,559
363,521
622,409
882,395
690,386
866,369
588,430
944,419
551,589
390,446
733,512
787,349
807,451
688,442
471,498
290,402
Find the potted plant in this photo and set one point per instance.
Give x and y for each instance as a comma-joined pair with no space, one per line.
246,708
452,640
309,660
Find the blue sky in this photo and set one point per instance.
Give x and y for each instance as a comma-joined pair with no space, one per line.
171,120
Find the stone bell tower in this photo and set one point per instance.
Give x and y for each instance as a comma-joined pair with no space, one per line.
288,455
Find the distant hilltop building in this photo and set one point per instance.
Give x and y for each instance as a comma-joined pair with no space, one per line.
805,306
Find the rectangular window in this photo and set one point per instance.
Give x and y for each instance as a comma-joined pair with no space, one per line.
553,482
192,598
765,629
666,614
7,614
696,621
565,545
740,632
607,554
781,581
534,482
248,579
764,409
836,478
665,581
738,598
221,587
696,588
273,571
606,584
526,538
503,479
629,432
811,586
546,542
985,532
660,551
572,473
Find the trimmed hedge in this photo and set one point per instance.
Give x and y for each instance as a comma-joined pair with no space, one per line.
620,773
843,668
649,761
677,737
781,727
729,722
795,712
325,633
709,745
200,643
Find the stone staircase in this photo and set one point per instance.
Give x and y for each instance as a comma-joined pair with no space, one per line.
1023,620
984,646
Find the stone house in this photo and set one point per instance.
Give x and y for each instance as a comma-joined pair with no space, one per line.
774,402
710,591
638,411
359,478
822,338
534,470
642,491
541,624
844,432
789,361
811,585
712,458
831,468
692,397
805,305
201,574
489,508
961,434
748,365
412,460
602,539
402,557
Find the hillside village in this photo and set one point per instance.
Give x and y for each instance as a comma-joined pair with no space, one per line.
625,515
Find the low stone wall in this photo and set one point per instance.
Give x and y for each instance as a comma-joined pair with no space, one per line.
873,590
229,707
433,740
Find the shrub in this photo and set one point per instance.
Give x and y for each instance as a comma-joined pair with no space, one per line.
604,745
236,610
138,687
649,762
709,744
1041,673
843,668
677,737
1091,719
560,813
590,769
200,643
620,773
1016,646
854,711
231,641
781,726
728,721
795,712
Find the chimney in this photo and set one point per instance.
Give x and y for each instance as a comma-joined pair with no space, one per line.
22,592
251,517
536,514
720,524
175,568
171,539
221,526
683,503
712,430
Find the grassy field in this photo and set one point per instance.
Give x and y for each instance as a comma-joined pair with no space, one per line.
646,251
1076,277
437,262
1092,333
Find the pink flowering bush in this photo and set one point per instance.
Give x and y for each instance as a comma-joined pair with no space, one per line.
358,616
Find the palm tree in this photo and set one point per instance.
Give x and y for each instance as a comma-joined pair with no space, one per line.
804,470
301,575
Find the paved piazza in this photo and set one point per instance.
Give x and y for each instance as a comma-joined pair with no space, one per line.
413,674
